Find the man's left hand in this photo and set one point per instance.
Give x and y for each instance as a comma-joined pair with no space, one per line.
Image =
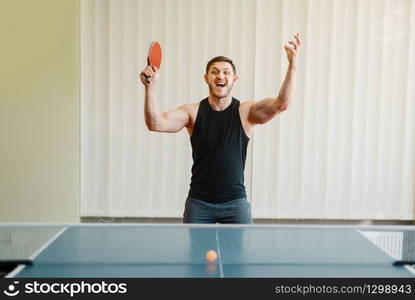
292,49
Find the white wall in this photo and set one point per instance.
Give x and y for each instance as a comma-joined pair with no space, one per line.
39,106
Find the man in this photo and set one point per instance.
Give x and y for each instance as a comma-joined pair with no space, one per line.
219,128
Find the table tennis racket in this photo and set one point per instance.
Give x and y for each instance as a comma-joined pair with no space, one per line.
154,57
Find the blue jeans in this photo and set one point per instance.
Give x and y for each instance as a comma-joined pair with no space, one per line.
236,211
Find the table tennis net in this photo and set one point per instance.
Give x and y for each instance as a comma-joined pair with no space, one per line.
399,245
19,244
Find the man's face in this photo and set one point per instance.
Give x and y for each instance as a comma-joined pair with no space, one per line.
220,79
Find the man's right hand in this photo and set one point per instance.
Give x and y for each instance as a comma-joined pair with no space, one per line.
149,71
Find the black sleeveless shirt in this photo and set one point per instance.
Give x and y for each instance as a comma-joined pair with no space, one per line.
219,146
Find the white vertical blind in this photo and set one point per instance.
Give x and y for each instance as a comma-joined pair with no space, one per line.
339,152
343,150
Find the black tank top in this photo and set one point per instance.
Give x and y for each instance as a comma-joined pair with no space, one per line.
219,146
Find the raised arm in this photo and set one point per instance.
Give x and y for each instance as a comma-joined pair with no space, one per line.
264,110
170,121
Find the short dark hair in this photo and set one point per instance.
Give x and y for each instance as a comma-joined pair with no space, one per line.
220,59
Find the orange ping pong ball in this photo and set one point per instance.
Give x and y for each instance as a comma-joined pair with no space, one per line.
211,255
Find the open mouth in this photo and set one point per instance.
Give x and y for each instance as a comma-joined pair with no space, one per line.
220,84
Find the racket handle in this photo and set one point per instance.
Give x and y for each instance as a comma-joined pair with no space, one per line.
148,79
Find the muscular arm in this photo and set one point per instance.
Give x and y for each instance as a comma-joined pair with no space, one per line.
264,110
170,121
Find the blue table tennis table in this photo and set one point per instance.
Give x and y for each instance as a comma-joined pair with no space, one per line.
178,250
